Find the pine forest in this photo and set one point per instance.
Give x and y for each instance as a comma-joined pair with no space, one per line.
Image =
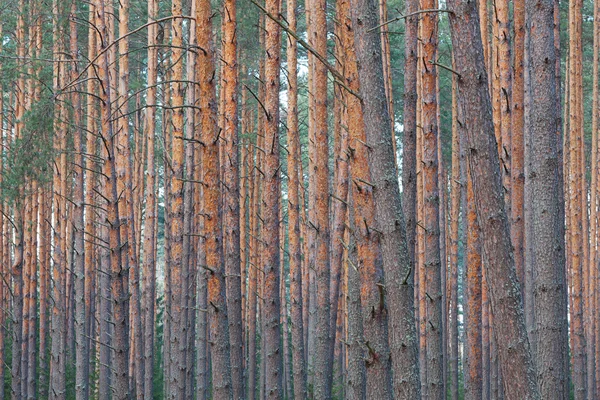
300,199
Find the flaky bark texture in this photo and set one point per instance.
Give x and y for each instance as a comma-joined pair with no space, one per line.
509,323
409,144
213,238
368,259
388,210
546,242
473,326
431,200
517,229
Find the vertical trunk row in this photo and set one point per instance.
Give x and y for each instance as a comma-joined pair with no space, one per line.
509,324
389,217
367,261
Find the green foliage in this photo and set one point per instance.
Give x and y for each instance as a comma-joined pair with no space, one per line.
30,156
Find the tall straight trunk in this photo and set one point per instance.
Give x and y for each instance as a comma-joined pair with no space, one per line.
409,144
389,217
420,234
253,273
231,202
90,233
517,231
452,283
356,377
149,262
431,200
339,207
576,180
272,183
509,323
294,187
595,172
4,258
81,342
17,292
323,362
474,282
175,211
57,331
127,203
212,207
503,63
551,346
311,251
119,290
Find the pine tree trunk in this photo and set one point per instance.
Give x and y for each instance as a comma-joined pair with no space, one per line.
509,324
119,290
409,144
294,188
90,182
517,232
272,183
57,330
549,291
217,307
231,205
323,362
473,326
81,341
452,283
431,197
576,213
